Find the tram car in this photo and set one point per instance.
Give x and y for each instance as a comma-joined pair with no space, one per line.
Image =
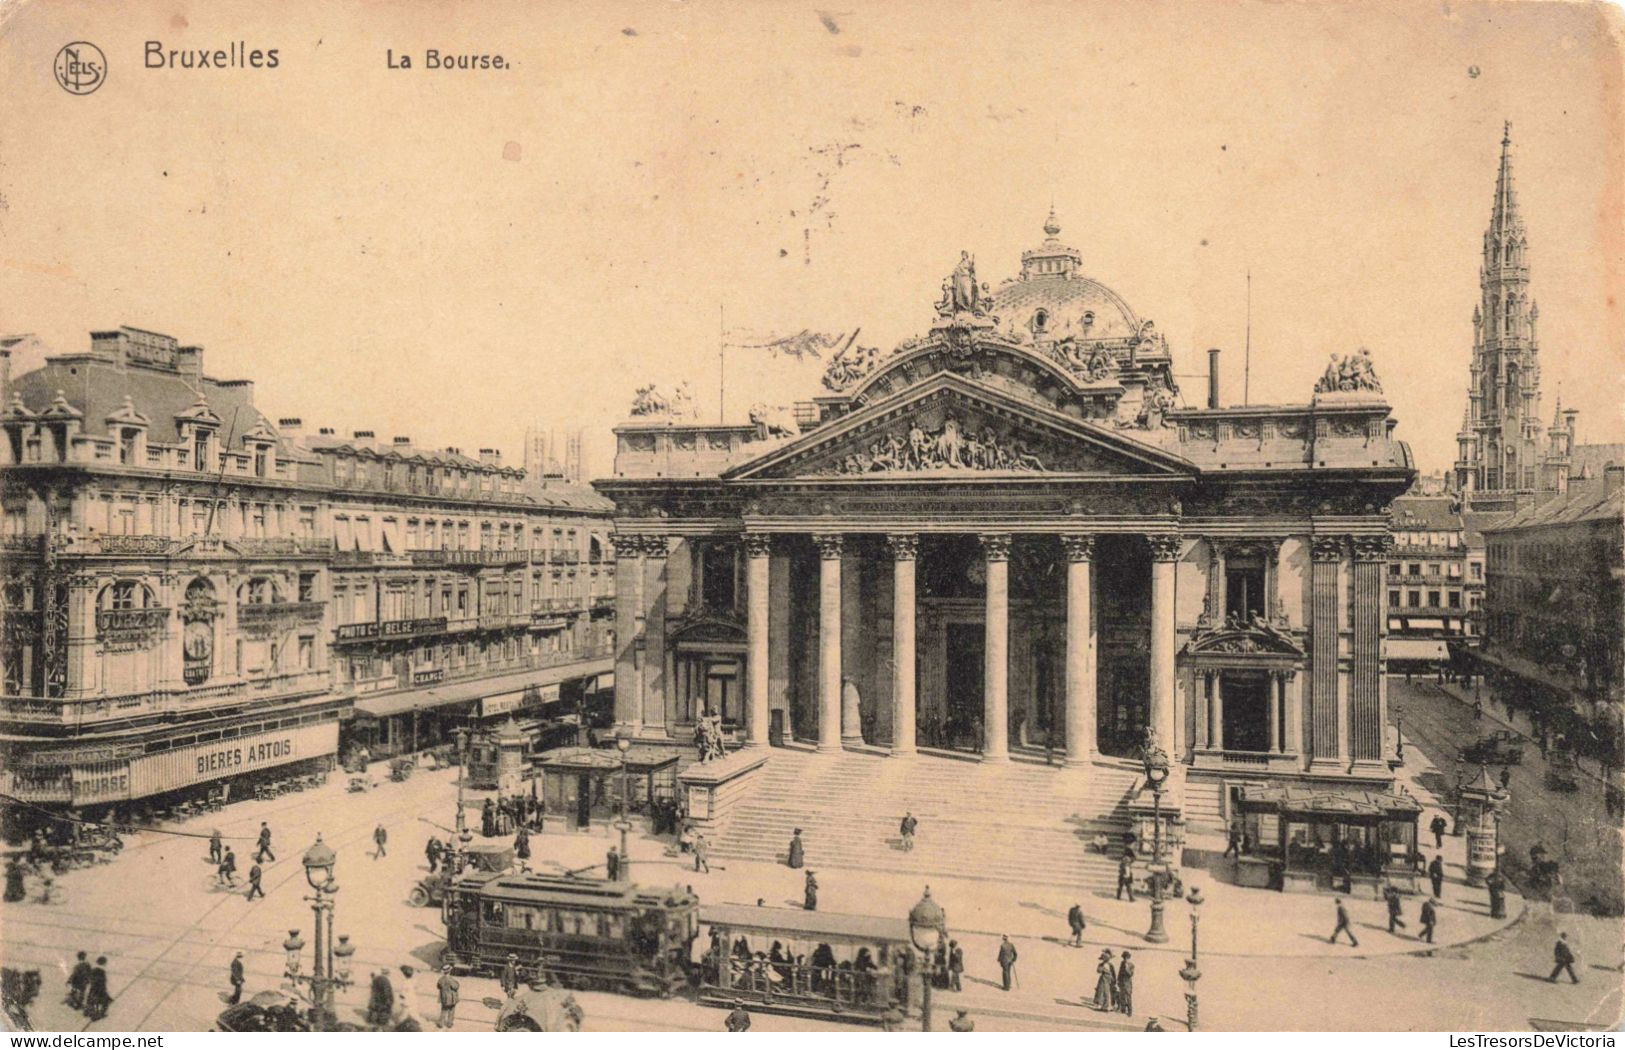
580,932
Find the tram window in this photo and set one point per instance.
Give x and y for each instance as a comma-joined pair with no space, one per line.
611,926
492,912
523,918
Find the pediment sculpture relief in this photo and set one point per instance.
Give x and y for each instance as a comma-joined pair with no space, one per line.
1091,364
849,367
951,446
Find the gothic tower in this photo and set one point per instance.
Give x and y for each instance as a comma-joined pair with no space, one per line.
1499,447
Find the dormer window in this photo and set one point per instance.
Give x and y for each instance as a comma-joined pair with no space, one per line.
200,450
1088,318
1040,321
126,446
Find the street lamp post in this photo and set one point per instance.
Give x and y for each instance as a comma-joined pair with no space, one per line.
324,980
624,824
1155,762
1190,972
927,925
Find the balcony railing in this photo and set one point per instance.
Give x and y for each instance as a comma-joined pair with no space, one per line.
79,711
603,601
1428,610
251,615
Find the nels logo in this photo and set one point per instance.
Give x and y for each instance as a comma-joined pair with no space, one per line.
80,67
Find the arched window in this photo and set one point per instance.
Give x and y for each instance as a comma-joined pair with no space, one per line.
261,590
1040,320
125,594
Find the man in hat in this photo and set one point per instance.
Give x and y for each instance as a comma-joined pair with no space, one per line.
379,838
810,892
78,981
1125,877
1125,985
956,965
1391,895
738,1018
1430,918
263,852
215,847
1074,919
961,1022
798,853
702,853
96,998
447,988
907,830
510,975
1437,826
1007,960
228,868
1563,956
1343,925
254,887
238,979
1436,875
381,1002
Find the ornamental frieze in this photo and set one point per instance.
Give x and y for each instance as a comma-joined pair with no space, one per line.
951,446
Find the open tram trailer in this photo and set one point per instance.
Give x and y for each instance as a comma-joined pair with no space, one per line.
862,968
580,932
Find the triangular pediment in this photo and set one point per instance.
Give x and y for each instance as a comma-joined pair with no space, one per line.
951,426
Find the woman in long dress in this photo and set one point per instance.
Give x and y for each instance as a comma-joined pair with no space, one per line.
798,855
1106,982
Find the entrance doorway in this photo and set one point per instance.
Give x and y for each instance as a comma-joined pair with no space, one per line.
1246,712
962,717
583,801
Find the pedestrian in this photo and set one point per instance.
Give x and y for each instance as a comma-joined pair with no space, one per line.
1497,884
1563,956
521,843
381,1002
78,981
1506,777
1437,826
215,847
1105,981
798,854
1436,875
956,966
907,829
1007,960
254,887
1478,710
961,1021
1342,924
379,838
97,1000
1395,919
1232,847
1430,919
1125,986
447,989
510,975
612,864
488,819
408,1020
738,1019
702,854
1125,878
809,892
263,852
431,850
228,868
16,886
237,979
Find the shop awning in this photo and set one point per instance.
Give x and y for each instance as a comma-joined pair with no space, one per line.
1328,804
1417,649
603,760
386,704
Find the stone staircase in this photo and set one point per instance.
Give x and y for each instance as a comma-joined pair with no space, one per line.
1018,821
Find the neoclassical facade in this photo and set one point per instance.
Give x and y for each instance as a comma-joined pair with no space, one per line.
1007,537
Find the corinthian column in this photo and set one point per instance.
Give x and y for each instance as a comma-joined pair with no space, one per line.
996,650
904,550
1164,555
829,642
1080,671
758,559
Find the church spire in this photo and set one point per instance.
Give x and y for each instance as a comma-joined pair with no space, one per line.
1505,222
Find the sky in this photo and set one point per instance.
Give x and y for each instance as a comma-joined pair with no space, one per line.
455,255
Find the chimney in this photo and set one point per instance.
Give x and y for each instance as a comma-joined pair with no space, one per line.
402,444
1613,476
1213,377
326,432
364,438
490,457
291,426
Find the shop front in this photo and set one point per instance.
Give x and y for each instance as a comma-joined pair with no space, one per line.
1344,840
583,784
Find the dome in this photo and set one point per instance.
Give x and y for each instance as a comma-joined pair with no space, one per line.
1052,298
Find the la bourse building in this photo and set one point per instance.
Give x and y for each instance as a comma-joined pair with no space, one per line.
1004,536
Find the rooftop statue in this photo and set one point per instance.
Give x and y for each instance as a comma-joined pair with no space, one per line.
650,400
961,294
1349,372
851,365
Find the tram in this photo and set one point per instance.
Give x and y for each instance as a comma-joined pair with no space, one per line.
808,963
579,932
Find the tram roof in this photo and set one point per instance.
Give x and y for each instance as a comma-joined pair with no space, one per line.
532,888
797,922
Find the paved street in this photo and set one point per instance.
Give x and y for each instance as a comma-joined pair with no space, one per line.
170,933
1574,827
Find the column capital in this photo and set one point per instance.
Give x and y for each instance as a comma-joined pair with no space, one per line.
904,546
757,544
655,546
1373,548
830,544
1164,546
1079,546
1327,548
995,545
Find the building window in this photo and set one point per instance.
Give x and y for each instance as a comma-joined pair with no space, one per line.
307,652
1433,599
1477,571
1393,599
307,586
1413,599
1244,587
1455,599
1413,569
